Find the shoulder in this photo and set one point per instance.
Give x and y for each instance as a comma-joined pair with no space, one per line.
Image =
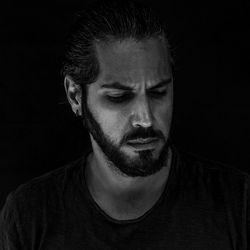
37,202
41,189
195,166
55,180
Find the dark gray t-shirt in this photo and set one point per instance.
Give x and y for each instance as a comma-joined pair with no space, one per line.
204,206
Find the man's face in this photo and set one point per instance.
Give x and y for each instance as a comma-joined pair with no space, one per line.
131,99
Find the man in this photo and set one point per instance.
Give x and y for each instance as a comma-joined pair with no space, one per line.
132,189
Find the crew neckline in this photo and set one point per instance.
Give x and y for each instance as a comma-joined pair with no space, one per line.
164,195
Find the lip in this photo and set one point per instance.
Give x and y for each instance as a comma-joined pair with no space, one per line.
142,141
151,144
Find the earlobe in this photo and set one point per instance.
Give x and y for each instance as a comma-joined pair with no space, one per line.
74,94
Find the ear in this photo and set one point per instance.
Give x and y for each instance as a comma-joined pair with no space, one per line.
74,94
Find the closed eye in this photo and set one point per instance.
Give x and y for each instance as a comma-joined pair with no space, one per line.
119,98
126,97
158,93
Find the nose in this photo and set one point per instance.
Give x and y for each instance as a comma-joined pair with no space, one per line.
142,114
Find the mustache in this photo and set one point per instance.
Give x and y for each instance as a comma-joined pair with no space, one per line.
143,133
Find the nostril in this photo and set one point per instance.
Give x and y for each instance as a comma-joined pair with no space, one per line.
145,124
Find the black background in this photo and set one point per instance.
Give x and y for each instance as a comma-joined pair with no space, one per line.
212,106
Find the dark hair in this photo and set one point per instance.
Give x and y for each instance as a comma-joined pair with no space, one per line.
107,20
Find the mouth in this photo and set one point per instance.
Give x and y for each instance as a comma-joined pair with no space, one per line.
143,144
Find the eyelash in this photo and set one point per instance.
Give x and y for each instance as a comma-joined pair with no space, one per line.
118,99
125,97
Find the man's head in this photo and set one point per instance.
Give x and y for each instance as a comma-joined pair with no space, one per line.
118,77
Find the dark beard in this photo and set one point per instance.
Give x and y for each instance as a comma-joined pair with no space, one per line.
144,165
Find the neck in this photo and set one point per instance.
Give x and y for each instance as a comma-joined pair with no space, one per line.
115,192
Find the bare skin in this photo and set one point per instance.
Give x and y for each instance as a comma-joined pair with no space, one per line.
140,66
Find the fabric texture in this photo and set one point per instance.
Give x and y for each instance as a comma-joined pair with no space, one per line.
204,206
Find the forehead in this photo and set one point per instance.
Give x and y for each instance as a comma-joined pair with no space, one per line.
131,62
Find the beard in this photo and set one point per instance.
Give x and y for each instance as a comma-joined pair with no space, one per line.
142,165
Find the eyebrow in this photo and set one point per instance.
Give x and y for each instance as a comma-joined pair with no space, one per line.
118,85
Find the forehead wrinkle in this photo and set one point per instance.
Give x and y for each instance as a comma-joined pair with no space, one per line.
125,87
150,81
117,68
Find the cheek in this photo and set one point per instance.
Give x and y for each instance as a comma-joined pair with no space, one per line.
164,116
111,119
112,123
